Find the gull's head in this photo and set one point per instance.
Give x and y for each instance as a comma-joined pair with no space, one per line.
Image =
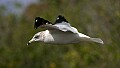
37,37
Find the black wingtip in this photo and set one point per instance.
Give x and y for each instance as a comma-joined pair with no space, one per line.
60,16
60,19
39,22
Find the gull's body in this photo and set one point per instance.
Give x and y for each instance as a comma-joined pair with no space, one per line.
60,33
58,37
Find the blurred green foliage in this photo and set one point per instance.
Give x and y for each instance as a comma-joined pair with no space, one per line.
96,18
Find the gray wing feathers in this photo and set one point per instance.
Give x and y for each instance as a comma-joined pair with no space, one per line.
60,26
66,27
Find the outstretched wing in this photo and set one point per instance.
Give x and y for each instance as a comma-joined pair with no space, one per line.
60,24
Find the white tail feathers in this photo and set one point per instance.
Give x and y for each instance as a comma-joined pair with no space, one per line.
98,40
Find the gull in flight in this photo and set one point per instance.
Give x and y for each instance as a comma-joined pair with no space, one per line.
61,32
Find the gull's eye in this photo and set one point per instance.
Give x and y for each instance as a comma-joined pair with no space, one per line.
36,37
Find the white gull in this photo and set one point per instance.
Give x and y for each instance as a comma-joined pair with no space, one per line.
59,33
